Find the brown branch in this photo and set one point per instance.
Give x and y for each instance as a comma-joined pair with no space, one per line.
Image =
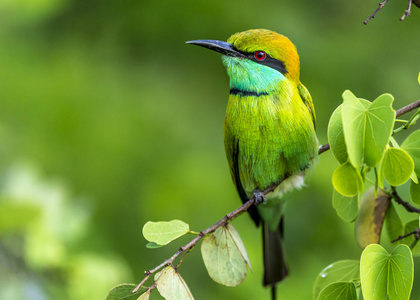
230,216
244,207
407,108
408,207
323,148
382,4
407,11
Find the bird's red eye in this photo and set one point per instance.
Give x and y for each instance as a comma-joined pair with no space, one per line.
260,55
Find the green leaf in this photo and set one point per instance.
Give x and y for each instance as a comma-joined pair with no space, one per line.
401,273
339,290
374,272
347,180
336,136
353,113
397,166
124,292
415,192
383,274
369,222
346,207
342,270
394,226
367,128
224,256
162,233
171,285
412,145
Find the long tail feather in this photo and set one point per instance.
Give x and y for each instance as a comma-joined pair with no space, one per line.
275,268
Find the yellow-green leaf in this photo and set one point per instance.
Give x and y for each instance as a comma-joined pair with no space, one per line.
369,222
336,136
367,127
343,270
385,275
225,257
339,290
393,225
347,208
347,180
412,145
171,285
397,166
162,233
415,192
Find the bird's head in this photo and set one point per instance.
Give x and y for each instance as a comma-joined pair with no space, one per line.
257,60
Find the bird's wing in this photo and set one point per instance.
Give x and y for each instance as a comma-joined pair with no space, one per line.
307,99
232,153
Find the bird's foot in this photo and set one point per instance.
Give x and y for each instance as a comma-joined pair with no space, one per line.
259,197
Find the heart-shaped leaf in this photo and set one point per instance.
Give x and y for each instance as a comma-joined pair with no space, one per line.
162,233
225,256
367,128
384,274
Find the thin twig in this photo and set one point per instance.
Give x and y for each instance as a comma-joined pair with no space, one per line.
244,207
407,108
382,4
416,233
323,148
230,216
408,207
407,11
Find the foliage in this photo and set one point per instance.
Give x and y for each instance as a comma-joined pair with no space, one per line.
104,125
360,133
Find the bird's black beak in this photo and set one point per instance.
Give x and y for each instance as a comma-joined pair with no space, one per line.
219,46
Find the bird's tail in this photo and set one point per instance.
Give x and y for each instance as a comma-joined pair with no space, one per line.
275,269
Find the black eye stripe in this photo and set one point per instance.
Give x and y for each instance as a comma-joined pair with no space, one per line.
269,62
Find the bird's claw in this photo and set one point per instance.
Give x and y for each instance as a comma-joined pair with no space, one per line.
259,197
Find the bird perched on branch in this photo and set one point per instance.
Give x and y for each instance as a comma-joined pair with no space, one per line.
269,131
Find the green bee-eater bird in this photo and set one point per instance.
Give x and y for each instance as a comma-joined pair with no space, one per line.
269,130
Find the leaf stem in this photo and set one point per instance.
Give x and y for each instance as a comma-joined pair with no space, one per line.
410,122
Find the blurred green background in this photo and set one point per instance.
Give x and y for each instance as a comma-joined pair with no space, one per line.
108,120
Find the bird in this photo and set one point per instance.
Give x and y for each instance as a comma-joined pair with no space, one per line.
269,132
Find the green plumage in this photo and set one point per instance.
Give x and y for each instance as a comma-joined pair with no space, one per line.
269,129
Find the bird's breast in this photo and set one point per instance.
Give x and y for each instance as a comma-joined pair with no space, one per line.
267,136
